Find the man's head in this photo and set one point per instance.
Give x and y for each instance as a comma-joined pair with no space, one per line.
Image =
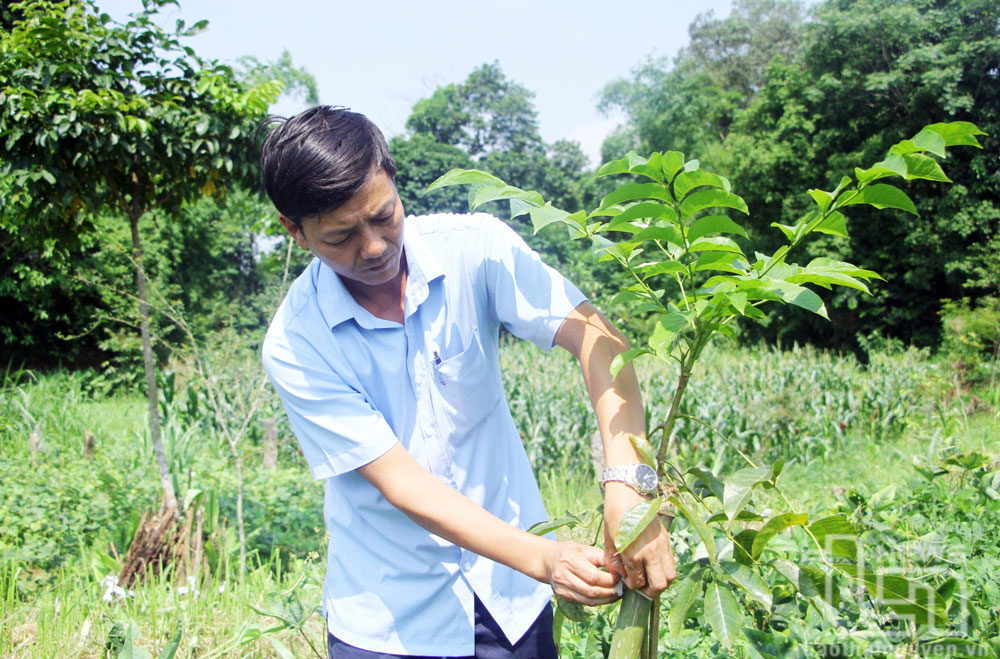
314,162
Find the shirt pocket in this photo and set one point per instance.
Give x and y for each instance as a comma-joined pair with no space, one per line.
467,389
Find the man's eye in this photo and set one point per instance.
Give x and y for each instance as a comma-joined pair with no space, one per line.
341,241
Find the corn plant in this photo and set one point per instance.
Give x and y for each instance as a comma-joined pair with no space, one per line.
671,229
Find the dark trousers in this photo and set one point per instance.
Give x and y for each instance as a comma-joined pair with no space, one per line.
536,643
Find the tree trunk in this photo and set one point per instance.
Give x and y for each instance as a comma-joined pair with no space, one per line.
271,444
169,496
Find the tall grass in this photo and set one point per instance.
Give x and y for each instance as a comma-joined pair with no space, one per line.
65,515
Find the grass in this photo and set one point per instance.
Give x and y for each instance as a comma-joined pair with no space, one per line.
840,424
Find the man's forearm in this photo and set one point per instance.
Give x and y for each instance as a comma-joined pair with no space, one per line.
570,568
617,402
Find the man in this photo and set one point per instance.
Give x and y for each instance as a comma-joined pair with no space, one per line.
385,356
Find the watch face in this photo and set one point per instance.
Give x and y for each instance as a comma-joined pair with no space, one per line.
645,477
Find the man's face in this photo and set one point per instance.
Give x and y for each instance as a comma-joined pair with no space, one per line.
362,240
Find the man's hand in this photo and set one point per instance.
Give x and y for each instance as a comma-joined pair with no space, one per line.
647,564
572,570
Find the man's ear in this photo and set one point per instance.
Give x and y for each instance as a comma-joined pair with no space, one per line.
294,229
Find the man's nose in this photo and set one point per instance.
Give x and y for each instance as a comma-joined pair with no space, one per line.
373,244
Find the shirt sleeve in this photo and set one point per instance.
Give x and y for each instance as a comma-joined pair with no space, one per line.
531,299
337,427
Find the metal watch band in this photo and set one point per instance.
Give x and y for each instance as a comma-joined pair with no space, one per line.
628,474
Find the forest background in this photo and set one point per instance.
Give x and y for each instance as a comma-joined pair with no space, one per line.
775,100
776,96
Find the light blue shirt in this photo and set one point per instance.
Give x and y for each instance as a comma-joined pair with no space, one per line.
353,384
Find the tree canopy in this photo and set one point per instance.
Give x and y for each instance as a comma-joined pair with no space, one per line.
856,78
103,118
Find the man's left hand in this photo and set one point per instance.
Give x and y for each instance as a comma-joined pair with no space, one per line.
647,564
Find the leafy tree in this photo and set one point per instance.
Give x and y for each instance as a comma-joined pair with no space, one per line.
296,81
871,70
691,105
489,121
100,116
420,159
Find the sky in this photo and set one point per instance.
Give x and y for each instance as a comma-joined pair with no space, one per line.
379,58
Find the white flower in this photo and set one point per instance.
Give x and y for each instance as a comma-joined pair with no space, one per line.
112,590
190,588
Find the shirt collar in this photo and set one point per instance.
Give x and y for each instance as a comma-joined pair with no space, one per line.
337,304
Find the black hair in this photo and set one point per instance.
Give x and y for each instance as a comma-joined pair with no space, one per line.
314,162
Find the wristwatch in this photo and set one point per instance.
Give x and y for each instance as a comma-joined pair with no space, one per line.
641,477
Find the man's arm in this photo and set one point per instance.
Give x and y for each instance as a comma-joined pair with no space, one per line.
648,563
570,568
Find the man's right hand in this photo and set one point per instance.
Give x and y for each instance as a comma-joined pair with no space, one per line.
572,570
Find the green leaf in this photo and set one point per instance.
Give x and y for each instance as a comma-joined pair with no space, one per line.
929,140
739,301
551,525
769,646
791,232
951,647
648,270
798,295
892,165
914,600
632,162
175,641
643,210
699,526
687,181
464,177
715,244
711,198
621,359
969,461
672,162
709,224
924,167
635,521
740,486
644,448
836,535
881,195
722,613
823,199
957,133
722,262
748,579
685,595
743,546
542,216
709,482
631,191
773,527
661,340
834,224
660,231
572,610
809,580
486,193
650,168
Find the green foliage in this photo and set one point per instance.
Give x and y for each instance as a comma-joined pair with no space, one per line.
419,160
98,118
890,66
972,335
822,95
691,105
661,231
